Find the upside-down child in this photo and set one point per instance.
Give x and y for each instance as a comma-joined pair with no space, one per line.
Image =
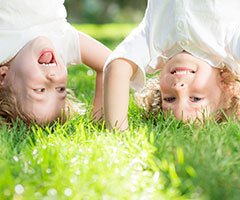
36,45
196,47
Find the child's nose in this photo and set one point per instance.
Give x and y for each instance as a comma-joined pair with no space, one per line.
179,85
51,76
56,77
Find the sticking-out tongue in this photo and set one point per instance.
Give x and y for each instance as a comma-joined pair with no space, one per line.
46,57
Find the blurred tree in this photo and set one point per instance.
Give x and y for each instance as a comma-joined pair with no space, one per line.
105,11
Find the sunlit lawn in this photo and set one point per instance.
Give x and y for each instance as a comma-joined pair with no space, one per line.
155,159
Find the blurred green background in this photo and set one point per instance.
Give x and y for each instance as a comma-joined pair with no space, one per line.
105,11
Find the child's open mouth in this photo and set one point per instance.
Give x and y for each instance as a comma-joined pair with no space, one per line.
47,58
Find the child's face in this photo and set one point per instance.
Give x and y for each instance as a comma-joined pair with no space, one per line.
190,87
38,78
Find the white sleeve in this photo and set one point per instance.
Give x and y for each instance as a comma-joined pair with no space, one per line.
71,46
234,45
66,40
135,48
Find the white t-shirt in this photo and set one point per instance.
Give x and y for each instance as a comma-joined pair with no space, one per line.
23,20
208,29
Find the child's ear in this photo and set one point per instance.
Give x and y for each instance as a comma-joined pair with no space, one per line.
227,80
3,72
227,87
161,64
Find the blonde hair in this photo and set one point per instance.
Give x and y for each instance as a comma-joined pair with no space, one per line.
149,98
10,110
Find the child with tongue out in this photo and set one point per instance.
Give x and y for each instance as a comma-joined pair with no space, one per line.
37,44
196,47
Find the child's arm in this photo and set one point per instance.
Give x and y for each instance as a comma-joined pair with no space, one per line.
94,55
117,77
124,66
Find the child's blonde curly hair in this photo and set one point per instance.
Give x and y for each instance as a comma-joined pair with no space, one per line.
149,98
10,110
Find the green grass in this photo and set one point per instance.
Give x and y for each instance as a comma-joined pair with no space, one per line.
156,159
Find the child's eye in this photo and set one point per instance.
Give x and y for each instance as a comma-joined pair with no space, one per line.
169,99
195,99
61,89
39,90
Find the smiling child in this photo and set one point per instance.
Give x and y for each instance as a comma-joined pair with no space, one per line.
195,45
37,44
